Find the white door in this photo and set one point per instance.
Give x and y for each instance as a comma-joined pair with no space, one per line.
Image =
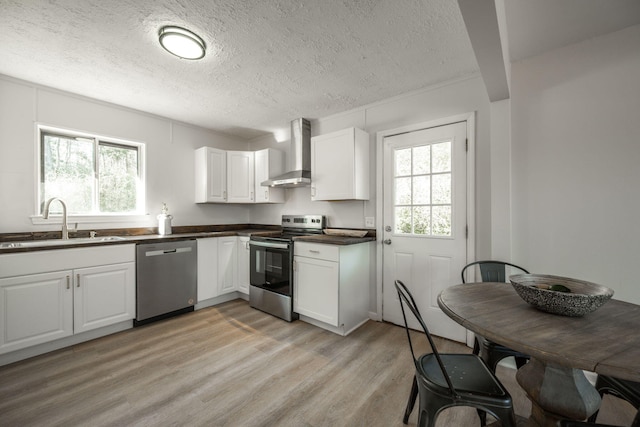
424,221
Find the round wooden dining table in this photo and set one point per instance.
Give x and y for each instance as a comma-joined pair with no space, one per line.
606,341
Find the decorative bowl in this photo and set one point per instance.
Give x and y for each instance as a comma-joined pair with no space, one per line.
572,297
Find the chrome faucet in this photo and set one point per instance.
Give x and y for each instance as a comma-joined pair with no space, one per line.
45,215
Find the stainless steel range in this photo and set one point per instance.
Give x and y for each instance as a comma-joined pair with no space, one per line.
271,281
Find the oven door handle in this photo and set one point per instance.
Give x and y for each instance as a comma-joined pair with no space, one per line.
269,244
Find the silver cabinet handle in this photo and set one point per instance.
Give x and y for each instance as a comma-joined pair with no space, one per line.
386,241
78,279
313,251
68,281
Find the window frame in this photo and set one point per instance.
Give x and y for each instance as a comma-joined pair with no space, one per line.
97,140
431,205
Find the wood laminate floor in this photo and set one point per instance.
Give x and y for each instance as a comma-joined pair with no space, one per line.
232,365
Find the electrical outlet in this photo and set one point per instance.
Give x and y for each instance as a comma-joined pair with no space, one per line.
369,221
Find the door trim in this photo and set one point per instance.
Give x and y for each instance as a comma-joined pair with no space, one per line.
469,118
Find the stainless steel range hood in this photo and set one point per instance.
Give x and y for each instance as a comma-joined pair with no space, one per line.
300,158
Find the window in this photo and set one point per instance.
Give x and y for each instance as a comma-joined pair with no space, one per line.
422,190
91,174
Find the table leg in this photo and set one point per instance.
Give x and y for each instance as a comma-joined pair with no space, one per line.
556,392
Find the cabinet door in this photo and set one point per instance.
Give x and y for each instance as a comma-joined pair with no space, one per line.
240,177
227,264
207,268
35,309
268,164
103,296
316,289
340,165
211,175
243,265
332,166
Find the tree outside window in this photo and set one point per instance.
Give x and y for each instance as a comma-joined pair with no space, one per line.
92,175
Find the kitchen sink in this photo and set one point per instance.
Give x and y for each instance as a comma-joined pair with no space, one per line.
59,242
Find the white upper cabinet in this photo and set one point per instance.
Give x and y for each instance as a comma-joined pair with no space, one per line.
240,177
211,175
340,165
268,164
234,176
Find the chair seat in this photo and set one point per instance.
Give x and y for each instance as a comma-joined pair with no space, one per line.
488,344
624,389
492,353
469,375
445,380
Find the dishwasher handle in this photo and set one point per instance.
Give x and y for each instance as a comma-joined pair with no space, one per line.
167,251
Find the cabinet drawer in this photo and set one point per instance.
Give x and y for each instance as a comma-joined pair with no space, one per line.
317,250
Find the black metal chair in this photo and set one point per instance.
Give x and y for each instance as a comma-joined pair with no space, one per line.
623,389
491,352
446,380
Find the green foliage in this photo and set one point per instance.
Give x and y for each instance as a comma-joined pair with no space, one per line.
69,171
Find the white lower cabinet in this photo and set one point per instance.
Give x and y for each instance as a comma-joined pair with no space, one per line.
42,307
217,266
317,290
244,264
207,268
331,285
227,264
103,296
35,309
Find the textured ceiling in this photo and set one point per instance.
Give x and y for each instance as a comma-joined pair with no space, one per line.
268,61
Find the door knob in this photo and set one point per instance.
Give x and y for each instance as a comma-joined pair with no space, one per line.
387,241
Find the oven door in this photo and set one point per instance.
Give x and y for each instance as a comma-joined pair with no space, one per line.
271,266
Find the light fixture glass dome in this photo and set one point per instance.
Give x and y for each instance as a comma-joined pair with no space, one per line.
182,43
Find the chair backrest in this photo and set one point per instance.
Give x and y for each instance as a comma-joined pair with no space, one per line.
492,271
407,299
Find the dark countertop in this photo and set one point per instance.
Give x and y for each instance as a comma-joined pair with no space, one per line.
334,240
129,239
129,236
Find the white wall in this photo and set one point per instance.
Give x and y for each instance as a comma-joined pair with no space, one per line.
447,100
169,150
170,147
576,157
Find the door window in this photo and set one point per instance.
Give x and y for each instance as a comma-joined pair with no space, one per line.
422,190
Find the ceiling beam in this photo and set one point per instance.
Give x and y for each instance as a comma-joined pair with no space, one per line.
483,26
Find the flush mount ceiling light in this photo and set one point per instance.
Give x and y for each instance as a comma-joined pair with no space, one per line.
181,42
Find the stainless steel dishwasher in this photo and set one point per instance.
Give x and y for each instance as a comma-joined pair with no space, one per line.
166,279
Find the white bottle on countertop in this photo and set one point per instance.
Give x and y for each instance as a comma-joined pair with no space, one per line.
164,221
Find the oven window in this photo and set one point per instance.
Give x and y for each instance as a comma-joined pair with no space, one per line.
270,269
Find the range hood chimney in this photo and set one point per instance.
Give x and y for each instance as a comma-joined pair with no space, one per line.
299,158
